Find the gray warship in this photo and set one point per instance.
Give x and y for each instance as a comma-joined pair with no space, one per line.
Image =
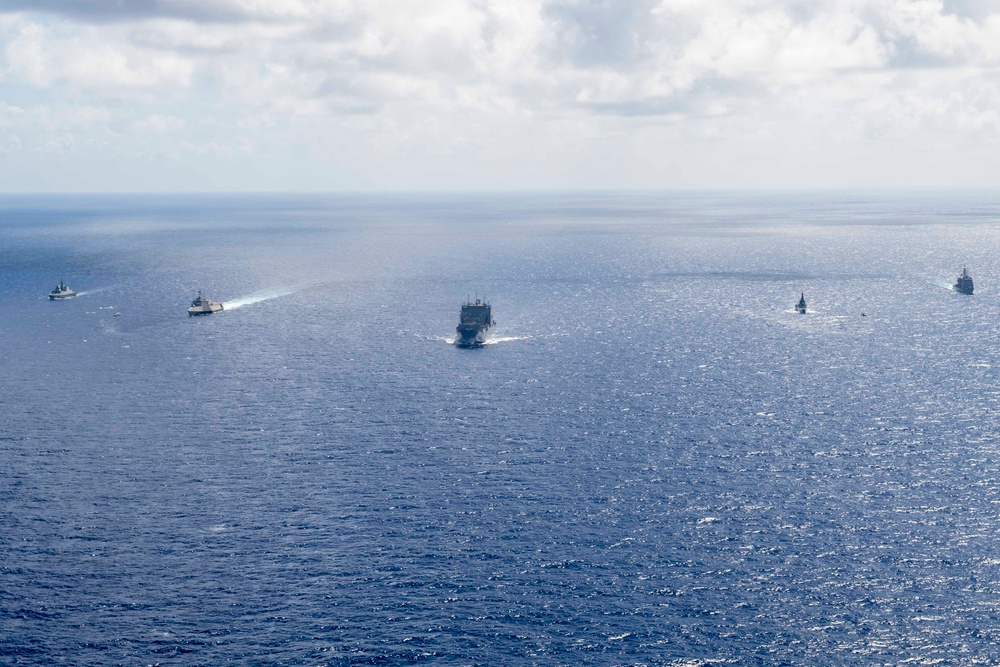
801,305
964,283
202,305
474,323
62,291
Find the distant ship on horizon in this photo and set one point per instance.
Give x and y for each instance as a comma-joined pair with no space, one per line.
474,323
202,305
62,291
963,285
801,305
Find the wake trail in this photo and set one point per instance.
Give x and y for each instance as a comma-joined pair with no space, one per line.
256,297
450,340
504,339
92,291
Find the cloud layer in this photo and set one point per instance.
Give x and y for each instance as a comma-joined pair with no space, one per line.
339,94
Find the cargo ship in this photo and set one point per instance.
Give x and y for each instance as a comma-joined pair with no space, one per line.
202,305
964,283
474,323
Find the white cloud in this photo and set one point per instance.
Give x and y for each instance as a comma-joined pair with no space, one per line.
216,149
467,79
159,124
10,143
89,59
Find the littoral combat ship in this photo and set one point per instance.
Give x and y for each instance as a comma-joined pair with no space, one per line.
964,283
801,305
474,323
62,291
202,305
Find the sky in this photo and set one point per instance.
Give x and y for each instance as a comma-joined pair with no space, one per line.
483,95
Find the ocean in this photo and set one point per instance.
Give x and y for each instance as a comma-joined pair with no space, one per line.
655,461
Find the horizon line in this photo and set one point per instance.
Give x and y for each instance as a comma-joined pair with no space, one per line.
508,191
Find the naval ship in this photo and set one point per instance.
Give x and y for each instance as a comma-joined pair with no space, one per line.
202,305
801,305
964,283
62,291
474,323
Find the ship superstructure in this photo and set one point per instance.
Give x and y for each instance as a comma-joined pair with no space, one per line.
202,305
62,291
963,284
474,323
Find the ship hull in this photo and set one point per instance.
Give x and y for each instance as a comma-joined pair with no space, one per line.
60,297
204,311
470,337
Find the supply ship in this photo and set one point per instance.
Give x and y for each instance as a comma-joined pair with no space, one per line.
62,291
474,323
964,283
202,305
801,305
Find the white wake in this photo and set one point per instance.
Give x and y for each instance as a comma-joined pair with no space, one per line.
504,339
95,290
256,297
450,340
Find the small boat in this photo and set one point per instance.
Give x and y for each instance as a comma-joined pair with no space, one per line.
62,291
202,305
801,305
963,285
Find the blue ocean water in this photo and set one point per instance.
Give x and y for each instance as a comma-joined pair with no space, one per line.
656,462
